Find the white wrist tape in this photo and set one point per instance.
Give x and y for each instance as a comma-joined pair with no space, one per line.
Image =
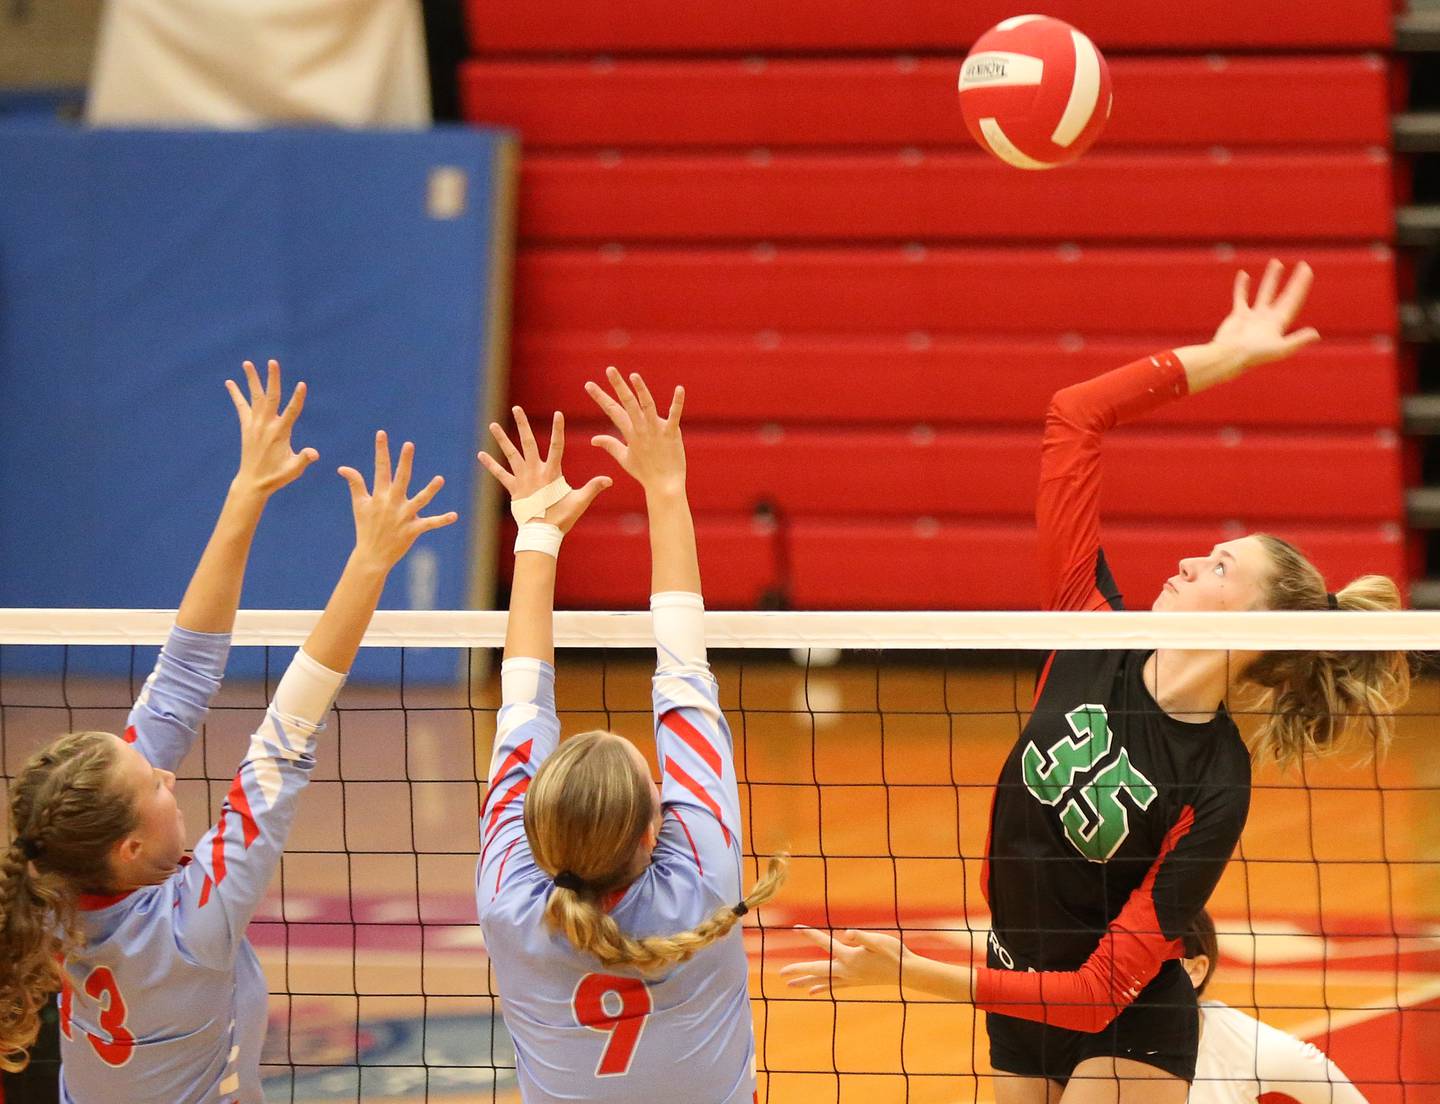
539,536
535,505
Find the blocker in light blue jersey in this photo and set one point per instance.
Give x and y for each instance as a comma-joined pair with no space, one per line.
582,1032
166,1000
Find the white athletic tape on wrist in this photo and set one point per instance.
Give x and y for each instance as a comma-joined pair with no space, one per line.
539,536
535,505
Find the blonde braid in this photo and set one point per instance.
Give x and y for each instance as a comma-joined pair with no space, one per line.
577,915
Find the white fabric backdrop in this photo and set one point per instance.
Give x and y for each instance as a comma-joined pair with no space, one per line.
245,63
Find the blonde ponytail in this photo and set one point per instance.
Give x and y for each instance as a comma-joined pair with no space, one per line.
66,811
1321,702
586,817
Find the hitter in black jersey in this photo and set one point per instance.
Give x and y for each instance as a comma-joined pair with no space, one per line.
1120,805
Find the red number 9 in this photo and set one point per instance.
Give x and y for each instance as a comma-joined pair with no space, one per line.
624,1026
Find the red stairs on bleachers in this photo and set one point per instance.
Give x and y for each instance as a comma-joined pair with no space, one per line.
767,203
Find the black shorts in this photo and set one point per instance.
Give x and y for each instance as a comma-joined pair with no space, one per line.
1161,1029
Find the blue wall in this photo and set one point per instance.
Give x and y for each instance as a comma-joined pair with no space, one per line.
139,268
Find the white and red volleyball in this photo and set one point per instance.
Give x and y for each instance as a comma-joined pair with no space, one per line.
1035,92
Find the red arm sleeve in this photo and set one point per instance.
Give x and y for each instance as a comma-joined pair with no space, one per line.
1067,508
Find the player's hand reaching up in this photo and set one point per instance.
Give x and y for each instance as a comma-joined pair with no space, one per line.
856,958
267,462
649,447
387,517
529,473
1259,331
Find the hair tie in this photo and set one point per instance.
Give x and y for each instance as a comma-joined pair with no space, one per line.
569,880
741,909
31,849
1331,601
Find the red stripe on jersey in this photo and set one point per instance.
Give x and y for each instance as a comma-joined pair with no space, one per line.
241,804
690,840
217,849
205,891
508,796
517,757
1128,957
675,721
503,858
676,771
1040,685
985,855
130,734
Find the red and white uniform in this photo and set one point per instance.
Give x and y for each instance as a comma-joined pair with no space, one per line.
1245,1061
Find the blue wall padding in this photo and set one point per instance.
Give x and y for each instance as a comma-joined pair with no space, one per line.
139,268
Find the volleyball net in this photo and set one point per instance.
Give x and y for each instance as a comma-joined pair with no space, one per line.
867,746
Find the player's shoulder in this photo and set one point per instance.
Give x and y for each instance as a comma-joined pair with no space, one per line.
1228,756
671,895
520,900
125,926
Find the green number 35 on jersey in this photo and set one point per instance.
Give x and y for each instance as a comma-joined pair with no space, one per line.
1095,820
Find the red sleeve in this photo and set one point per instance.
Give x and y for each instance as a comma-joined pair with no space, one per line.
1127,958
1067,508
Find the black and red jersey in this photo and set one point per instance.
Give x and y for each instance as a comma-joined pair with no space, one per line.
1112,821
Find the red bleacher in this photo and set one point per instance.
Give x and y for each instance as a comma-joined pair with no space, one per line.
841,26
991,473
1206,196
870,315
742,380
1176,294
893,103
918,564
971,565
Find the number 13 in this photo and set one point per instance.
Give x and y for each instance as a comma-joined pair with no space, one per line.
625,1025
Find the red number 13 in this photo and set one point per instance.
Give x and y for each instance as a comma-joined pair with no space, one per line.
624,1025
101,985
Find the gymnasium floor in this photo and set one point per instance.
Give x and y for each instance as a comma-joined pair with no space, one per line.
885,771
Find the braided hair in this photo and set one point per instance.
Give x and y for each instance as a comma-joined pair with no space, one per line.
586,814
67,811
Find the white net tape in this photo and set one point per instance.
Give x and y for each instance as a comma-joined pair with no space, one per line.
1026,631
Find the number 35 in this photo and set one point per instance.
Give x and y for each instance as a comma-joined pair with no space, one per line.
594,998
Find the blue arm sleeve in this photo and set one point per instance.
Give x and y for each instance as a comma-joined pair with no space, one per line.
235,860
527,730
176,697
699,790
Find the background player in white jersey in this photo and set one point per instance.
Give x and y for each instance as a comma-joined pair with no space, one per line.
162,997
1245,1061
610,908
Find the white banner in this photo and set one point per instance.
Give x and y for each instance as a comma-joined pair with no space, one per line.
253,63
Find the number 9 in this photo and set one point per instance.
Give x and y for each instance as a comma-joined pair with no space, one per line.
624,1026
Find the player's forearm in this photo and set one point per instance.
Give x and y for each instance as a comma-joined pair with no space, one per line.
940,979
336,637
530,629
213,595
1209,364
674,561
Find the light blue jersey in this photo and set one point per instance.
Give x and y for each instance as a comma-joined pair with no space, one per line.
166,1001
582,1032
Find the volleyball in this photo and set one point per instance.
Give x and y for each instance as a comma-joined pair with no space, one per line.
1035,92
